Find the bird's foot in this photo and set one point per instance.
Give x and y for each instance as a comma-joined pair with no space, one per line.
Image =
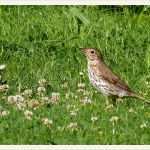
119,100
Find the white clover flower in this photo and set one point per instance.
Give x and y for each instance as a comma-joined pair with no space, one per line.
42,82
34,104
4,113
86,100
19,98
41,89
11,99
94,118
28,114
72,125
47,122
55,94
114,119
28,92
46,100
4,87
55,97
21,106
2,67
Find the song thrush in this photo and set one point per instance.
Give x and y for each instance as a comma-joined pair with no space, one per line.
103,78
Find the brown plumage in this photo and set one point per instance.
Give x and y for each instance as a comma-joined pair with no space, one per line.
104,79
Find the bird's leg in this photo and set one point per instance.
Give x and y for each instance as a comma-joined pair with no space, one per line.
108,100
111,100
114,100
119,100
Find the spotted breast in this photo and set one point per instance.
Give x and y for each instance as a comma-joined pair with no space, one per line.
102,85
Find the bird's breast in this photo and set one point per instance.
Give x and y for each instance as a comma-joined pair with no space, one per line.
100,84
104,86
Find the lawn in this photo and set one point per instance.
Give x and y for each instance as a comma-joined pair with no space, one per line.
50,99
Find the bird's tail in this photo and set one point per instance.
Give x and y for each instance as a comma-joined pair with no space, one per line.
139,97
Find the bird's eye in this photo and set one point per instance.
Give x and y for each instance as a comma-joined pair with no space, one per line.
92,52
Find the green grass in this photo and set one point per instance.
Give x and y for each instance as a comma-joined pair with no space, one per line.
43,42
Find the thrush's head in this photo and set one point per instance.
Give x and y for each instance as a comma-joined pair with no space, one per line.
91,54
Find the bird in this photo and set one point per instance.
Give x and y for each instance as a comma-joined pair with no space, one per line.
105,80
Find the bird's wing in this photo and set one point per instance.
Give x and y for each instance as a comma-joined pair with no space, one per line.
105,73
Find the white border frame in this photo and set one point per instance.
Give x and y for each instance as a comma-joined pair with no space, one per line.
75,147
74,2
